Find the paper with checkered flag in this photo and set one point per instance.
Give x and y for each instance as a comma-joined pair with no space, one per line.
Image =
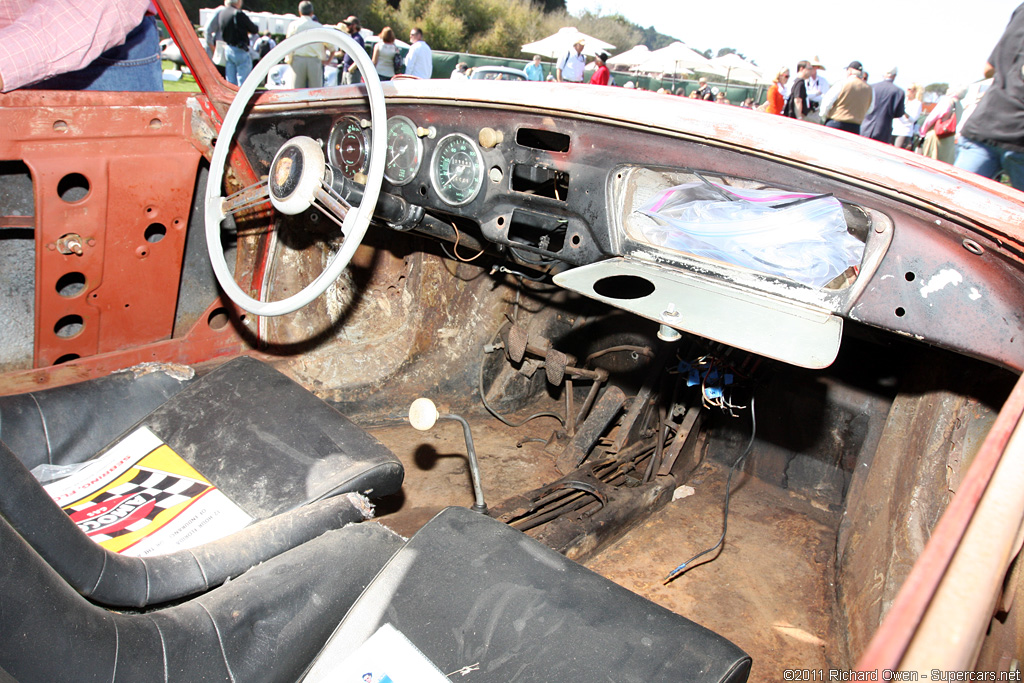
141,498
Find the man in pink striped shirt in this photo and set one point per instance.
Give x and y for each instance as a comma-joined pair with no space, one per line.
92,44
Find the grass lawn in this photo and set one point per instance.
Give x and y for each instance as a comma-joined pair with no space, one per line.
186,84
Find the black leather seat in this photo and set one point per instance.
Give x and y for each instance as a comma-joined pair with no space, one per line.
262,438
265,625
69,424
468,591
276,450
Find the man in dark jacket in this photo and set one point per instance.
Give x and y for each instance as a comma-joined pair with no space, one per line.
992,140
889,100
235,29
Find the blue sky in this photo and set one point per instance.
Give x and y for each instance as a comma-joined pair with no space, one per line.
938,41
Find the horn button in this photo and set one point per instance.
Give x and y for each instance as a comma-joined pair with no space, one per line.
296,174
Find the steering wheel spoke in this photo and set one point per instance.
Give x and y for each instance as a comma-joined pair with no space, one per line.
333,205
299,177
256,194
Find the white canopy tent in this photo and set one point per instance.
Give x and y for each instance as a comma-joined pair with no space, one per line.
631,57
557,44
676,59
739,69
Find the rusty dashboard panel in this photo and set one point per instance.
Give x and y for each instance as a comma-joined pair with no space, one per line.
557,191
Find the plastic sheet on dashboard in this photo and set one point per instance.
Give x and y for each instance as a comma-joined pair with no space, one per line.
799,236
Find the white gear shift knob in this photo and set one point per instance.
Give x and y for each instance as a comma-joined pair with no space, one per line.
423,414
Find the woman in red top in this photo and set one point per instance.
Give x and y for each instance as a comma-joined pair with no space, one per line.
777,93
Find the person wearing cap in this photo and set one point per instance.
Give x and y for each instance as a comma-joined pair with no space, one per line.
349,70
992,139
601,73
570,67
889,101
419,61
817,86
846,104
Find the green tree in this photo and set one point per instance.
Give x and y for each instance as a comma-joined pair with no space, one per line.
730,51
496,28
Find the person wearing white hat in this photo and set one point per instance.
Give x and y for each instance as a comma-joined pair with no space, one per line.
817,86
572,64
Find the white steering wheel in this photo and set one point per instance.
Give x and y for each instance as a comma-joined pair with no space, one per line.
299,177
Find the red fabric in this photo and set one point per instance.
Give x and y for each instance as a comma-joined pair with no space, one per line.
601,76
776,102
945,125
42,38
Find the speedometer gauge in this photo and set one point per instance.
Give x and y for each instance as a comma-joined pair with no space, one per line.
405,151
457,169
349,146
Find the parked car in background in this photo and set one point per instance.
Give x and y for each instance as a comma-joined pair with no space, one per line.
497,73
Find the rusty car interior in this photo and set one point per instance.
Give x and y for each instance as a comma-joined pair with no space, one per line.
496,412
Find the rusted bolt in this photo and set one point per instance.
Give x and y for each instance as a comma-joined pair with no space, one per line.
70,243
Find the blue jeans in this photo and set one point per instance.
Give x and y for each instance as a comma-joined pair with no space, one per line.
133,66
239,64
989,161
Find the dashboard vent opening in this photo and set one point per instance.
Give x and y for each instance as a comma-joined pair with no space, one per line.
545,140
537,230
541,181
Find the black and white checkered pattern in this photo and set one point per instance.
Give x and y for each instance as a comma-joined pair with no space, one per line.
165,489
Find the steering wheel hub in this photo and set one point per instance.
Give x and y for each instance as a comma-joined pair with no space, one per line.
295,175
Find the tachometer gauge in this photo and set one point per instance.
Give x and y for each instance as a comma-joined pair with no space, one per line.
457,169
405,151
348,147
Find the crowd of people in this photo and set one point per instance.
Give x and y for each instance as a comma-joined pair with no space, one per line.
233,41
119,50
988,142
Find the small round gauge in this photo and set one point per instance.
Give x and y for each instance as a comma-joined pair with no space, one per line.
348,148
405,151
457,169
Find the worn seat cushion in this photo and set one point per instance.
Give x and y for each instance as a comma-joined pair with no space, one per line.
265,625
70,424
268,443
468,591
263,439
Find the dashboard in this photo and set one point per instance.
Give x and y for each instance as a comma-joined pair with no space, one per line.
559,191
526,183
